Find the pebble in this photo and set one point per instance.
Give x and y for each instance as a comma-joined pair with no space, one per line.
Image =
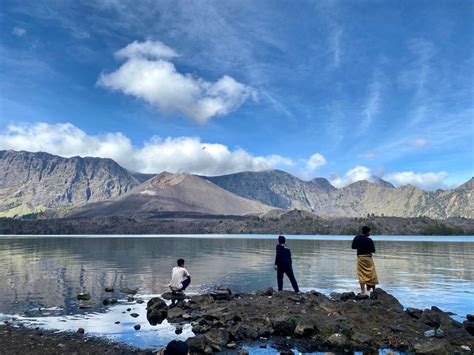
137,326
109,289
134,315
117,322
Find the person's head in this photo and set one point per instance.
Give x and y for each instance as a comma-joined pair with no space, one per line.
281,239
365,230
180,262
176,347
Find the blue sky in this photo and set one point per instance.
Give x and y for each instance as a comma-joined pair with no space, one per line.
340,89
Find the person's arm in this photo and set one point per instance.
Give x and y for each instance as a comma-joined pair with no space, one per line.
289,256
186,273
277,256
354,244
372,246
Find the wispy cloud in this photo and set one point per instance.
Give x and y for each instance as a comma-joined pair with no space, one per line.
18,31
374,100
335,46
368,155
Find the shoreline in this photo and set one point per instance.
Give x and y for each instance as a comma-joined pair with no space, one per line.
23,340
223,321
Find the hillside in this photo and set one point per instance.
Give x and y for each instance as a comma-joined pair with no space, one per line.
33,182
377,197
173,193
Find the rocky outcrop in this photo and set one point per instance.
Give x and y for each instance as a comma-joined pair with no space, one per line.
34,182
313,322
377,196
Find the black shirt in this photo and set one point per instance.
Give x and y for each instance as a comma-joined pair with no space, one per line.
283,256
363,244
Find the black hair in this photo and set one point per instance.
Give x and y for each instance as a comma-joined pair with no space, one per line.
180,262
365,230
281,239
176,347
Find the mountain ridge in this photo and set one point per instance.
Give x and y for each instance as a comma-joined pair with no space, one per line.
35,182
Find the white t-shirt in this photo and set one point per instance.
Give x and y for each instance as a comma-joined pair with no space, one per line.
178,275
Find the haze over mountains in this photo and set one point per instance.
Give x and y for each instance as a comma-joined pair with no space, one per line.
34,182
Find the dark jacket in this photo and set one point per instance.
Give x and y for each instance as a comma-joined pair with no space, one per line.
283,257
363,244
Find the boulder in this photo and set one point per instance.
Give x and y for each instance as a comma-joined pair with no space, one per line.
196,344
361,338
432,346
469,326
470,317
222,294
172,296
304,328
414,312
80,331
137,327
345,296
388,301
337,340
134,315
217,338
283,325
156,311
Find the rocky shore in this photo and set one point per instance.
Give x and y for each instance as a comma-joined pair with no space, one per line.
222,321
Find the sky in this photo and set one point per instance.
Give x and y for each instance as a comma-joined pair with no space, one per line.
345,90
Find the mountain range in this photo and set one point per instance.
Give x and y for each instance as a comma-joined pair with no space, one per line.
37,182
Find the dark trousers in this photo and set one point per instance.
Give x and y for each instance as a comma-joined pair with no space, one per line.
185,283
291,276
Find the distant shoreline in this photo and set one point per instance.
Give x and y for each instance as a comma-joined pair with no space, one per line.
290,223
327,237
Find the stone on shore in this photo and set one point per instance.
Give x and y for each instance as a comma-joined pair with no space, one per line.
157,311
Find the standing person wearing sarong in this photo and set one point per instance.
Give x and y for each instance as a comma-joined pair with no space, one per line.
365,264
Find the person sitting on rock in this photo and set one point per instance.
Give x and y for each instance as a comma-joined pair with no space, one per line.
283,264
365,264
180,278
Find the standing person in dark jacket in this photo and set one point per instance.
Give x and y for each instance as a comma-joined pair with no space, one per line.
365,265
283,264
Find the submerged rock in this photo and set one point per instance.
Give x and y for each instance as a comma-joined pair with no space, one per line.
80,331
83,296
109,289
108,301
129,291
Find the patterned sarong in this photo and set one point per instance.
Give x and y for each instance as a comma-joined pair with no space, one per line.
366,270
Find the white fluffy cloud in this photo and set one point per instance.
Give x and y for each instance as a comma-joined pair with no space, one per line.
428,180
315,161
182,154
149,75
355,174
422,180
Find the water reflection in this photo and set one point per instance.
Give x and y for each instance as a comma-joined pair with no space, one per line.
38,273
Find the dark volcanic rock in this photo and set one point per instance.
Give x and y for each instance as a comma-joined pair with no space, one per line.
314,322
157,311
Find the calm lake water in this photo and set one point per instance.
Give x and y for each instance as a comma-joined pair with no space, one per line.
41,276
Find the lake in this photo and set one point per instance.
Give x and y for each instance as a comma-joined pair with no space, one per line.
41,276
